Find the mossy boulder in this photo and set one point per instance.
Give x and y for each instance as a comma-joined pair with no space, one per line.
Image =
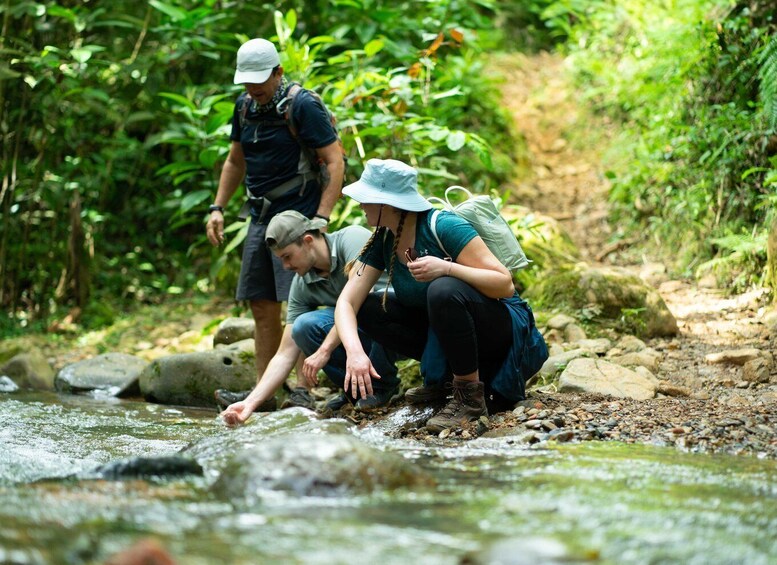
30,370
323,464
608,294
544,241
189,379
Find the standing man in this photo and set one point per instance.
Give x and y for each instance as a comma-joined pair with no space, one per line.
317,260
278,176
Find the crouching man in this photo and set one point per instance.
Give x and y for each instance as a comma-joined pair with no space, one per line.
317,260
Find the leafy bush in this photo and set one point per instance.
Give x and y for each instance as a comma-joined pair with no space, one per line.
693,166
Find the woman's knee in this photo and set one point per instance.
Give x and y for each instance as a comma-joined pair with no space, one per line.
446,291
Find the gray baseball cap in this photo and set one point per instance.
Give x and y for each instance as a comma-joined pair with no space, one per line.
287,227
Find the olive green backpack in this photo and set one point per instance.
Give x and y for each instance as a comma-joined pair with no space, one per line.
482,213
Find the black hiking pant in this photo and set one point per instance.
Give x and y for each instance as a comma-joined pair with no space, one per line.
475,331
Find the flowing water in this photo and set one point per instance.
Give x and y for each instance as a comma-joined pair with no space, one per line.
288,488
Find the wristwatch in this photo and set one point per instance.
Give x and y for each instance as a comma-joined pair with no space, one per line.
215,208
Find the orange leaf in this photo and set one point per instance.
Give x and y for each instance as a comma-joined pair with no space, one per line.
457,36
435,44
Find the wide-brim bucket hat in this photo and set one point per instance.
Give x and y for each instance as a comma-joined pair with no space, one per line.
388,181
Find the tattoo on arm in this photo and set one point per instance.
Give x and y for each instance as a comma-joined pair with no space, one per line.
326,178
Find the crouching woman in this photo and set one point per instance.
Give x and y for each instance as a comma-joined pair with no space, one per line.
459,315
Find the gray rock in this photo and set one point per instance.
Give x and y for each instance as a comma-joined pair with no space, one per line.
648,358
599,346
670,389
601,377
560,321
757,370
734,356
189,379
29,370
574,333
145,468
114,373
244,346
306,464
627,344
653,274
557,363
234,329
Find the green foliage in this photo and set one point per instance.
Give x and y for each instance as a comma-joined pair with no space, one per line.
768,81
118,111
693,164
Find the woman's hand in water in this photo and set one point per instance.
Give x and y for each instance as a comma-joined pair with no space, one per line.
359,373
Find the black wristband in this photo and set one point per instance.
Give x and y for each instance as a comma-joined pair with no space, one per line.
214,208
321,216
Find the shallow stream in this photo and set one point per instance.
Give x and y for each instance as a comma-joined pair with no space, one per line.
285,489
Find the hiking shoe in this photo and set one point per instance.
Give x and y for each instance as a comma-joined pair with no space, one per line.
226,397
338,402
467,404
427,394
299,397
379,399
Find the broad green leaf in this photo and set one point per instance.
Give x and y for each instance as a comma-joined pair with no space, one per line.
456,140
7,73
175,14
456,91
373,47
439,134
209,157
177,168
193,199
181,100
61,12
81,55
238,239
291,19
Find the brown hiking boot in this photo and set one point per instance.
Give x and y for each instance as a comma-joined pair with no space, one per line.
427,394
467,404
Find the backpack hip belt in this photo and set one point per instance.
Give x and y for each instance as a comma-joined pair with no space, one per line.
262,203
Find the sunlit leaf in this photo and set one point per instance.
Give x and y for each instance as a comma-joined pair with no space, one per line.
174,13
373,47
193,199
181,100
456,140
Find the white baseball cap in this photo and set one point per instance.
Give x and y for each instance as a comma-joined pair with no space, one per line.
255,61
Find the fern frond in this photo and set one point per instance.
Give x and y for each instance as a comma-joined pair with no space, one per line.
768,81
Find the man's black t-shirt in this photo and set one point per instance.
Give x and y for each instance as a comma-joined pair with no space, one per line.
272,154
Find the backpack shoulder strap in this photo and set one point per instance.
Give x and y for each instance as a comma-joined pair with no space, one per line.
245,103
433,226
286,106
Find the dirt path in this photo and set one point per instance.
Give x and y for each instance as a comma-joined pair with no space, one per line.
721,411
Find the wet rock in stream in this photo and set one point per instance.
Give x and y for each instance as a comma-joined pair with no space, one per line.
306,464
146,467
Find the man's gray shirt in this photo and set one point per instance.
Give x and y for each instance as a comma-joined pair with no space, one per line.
310,292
